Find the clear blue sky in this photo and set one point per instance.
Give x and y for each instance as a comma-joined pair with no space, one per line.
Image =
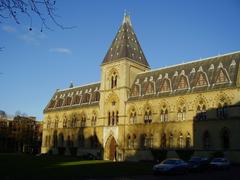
35,64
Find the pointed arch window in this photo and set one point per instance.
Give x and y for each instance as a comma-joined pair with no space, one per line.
202,80
171,140
181,115
133,116
94,120
221,77
148,116
56,123
134,141
74,121
183,83
188,140
165,87
164,114
83,121
64,122
180,140
114,79
163,141
201,112
129,145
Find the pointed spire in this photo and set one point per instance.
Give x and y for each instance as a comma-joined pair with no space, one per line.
126,45
126,18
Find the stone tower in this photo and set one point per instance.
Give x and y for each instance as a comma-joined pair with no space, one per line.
123,61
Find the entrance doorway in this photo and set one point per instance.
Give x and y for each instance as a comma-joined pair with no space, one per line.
110,149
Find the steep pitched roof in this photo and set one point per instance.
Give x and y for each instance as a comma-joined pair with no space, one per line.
126,45
209,68
71,93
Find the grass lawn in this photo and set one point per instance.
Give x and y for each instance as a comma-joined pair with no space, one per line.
15,165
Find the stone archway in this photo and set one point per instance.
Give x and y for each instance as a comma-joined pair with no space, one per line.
110,149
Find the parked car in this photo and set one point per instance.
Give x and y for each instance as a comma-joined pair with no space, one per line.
220,163
198,164
171,166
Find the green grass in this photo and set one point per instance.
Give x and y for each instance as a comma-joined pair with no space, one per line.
61,166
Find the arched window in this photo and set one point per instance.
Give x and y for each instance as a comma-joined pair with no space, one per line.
109,118
163,141
83,120
144,141
221,77
56,123
201,112
188,140
64,122
148,116
48,123
202,80
151,141
181,113
136,90
165,87
76,99
206,140
94,120
225,138
114,78
222,111
55,139
171,140
180,140
74,121
183,84
133,116
117,118
134,141
69,142
164,114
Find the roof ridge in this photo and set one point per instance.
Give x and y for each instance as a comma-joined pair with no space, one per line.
191,61
75,87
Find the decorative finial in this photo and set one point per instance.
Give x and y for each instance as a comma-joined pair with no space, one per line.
71,85
126,18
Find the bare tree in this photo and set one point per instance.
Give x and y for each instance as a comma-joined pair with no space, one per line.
43,9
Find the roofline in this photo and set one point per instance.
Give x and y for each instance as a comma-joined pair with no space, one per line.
98,82
125,58
192,61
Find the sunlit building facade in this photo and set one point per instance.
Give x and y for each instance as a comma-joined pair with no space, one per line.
133,109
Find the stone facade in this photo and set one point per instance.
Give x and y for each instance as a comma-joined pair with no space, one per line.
134,109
